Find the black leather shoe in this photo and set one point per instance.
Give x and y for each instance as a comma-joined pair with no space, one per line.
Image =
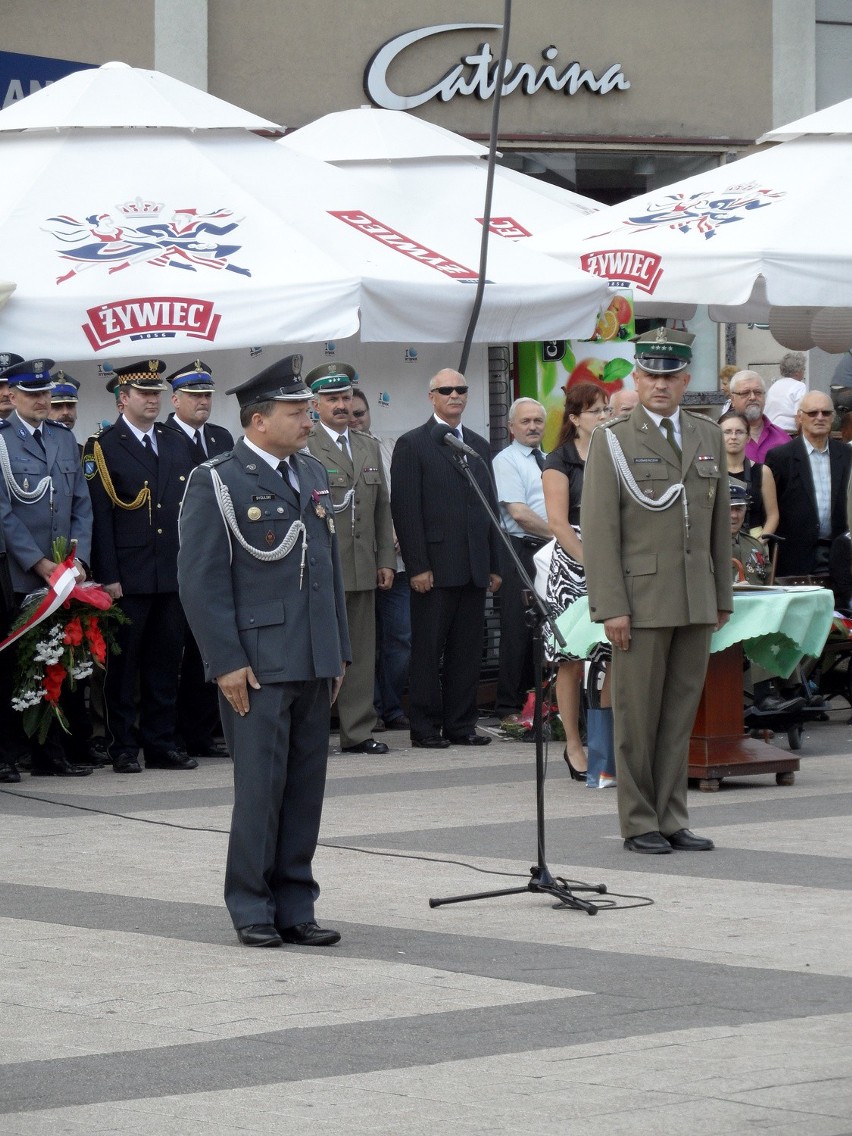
126,763
774,704
9,774
431,741
59,767
368,746
309,935
400,723
685,841
470,740
171,759
650,843
208,749
259,935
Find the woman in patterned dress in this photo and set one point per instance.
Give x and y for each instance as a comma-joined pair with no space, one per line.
562,481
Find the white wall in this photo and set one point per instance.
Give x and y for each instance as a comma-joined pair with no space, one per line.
395,378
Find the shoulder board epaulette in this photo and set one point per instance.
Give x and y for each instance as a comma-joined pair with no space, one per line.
61,425
313,457
217,460
4,425
615,421
697,414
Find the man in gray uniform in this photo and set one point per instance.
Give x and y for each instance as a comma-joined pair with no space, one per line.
261,586
43,496
657,549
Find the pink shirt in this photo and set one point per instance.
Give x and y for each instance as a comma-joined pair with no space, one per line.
771,437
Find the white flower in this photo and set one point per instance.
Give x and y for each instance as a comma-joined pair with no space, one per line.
30,698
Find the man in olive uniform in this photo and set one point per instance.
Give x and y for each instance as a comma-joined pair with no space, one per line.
137,472
361,503
657,549
747,551
270,619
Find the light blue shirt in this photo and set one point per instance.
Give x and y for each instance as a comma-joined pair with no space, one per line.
820,463
518,481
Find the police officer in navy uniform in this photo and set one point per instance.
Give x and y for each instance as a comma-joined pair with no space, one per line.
137,472
192,398
197,704
43,497
63,399
262,586
7,359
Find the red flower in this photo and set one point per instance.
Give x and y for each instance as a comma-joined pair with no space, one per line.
73,636
54,676
97,644
93,595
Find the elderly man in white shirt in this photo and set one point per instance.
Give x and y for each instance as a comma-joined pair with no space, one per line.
517,472
788,390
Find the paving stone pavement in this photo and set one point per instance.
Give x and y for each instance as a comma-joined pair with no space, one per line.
722,1006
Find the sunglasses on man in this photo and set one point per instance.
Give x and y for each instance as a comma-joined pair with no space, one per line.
449,390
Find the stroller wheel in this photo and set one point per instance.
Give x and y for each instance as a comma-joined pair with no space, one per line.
794,737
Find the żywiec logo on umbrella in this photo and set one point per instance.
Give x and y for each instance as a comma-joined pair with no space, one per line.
136,232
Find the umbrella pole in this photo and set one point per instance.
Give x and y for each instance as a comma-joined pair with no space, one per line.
489,185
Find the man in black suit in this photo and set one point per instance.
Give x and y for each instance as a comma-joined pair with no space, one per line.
137,472
811,478
450,552
197,701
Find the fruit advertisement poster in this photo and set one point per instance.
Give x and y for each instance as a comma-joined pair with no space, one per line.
546,370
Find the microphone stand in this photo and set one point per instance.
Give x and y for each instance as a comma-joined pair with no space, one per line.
538,614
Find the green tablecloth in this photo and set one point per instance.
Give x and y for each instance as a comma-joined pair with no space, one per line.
776,626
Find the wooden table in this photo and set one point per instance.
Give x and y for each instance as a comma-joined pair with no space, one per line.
718,746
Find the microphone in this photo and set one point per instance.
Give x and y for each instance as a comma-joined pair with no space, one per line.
444,435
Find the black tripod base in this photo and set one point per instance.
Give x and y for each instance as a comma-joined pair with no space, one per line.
540,881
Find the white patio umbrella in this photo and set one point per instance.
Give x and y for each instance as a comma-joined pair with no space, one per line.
764,239
179,238
436,170
127,240
116,95
835,119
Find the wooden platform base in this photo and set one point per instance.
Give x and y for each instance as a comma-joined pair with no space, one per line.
718,747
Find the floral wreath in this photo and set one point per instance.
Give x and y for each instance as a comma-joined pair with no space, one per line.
62,633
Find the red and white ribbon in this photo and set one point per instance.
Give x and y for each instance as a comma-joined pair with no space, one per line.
60,586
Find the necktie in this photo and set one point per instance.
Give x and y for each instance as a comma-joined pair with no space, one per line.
149,446
667,426
200,451
341,441
38,438
539,458
287,470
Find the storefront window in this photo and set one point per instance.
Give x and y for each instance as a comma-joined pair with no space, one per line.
610,176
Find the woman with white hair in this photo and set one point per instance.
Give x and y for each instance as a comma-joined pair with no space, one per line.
785,394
